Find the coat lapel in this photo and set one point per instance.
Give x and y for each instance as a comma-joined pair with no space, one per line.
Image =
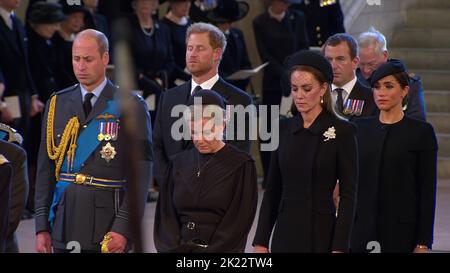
76,105
4,29
222,89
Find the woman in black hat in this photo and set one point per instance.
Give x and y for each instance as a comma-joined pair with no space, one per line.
151,49
235,56
397,185
208,201
44,20
178,22
316,149
64,37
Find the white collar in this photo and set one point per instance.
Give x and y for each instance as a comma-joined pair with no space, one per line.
206,84
348,87
278,17
97,91
6,16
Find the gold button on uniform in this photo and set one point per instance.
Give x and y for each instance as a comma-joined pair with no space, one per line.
317,28
318,35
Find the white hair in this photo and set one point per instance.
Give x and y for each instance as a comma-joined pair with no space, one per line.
374,38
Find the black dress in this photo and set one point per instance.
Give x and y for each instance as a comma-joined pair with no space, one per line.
397,185
298,199
216,208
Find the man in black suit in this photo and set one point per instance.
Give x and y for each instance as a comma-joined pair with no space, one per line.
5,189
85,199
205,45
351,98
15,76
17,158
372,54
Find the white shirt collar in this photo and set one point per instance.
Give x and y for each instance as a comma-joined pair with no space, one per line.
278,17
348,87
97,91
205,85
6,17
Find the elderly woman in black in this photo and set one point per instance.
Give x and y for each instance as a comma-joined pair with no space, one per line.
397,185
151,49
316,150
208,201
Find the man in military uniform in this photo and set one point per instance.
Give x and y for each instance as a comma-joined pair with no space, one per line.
10,142
81,178
372,54
323,19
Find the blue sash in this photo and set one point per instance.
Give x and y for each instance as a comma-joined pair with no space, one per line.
87,142
3,134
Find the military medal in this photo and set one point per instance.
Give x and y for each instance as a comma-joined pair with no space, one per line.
108,127
353,107
348,107
108,152
359,107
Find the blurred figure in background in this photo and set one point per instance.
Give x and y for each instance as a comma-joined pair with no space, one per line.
235,56
279,32
151,49
178,22
323,19
64,37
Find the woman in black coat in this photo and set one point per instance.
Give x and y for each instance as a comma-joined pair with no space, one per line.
151,49
208,200
178,22
397,185
316,150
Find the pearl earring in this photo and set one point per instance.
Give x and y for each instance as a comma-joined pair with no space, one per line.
321,100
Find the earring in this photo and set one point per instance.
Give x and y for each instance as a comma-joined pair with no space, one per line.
321,100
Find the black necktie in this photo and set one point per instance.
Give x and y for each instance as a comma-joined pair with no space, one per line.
197,88
87,105
340,100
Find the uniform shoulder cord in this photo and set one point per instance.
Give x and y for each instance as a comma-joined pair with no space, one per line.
68,140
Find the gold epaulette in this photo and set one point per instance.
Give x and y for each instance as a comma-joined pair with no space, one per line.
3,160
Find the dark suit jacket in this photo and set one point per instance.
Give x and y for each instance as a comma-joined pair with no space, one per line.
299,194
276,41
14,68
362,92
19,189
415,103
397,185
6,172
85,214
164,144
235,58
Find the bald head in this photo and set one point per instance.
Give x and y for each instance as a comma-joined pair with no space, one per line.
99,37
